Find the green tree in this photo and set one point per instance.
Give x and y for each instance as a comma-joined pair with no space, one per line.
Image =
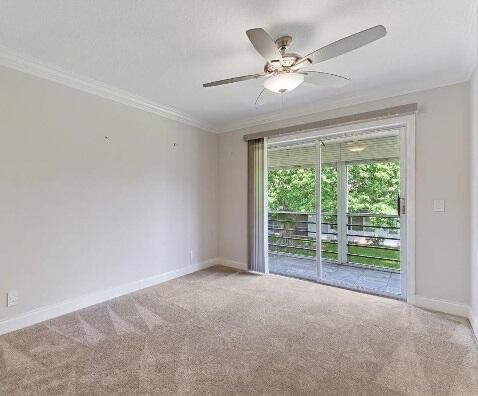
328,180
372,188
292,190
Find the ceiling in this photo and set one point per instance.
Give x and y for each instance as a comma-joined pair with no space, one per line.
164,50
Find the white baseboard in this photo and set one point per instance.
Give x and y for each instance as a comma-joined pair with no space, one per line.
231,263
474,324
445,306
54,310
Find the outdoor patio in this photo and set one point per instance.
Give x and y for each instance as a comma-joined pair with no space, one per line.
364,279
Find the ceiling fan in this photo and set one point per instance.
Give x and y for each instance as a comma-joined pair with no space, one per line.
286,71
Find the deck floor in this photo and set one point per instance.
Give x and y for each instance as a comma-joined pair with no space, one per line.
366,279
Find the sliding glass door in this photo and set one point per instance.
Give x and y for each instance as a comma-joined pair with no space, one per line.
333,211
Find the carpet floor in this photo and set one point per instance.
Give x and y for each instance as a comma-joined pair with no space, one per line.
221,331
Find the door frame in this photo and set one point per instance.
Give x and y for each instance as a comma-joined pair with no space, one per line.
318,210
406,125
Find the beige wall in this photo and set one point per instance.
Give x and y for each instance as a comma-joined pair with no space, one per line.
81,213
474,199
442,139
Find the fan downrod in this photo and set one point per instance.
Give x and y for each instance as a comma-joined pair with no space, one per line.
283,43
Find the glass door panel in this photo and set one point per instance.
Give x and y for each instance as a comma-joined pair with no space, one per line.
373,224
292,211
360,185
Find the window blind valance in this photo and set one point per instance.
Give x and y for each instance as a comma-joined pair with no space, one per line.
388,112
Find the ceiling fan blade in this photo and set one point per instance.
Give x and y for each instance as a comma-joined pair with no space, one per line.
233,80
264,44
325,79
344,45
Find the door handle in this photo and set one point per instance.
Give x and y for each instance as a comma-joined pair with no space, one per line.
401,205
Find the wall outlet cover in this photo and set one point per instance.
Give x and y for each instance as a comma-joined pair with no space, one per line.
12,298
438,205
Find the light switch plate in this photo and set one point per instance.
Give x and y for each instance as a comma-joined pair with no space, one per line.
438,205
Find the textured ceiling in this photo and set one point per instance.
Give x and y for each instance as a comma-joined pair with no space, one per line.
165,50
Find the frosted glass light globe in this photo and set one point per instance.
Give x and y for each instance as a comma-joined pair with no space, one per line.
283,82
356,147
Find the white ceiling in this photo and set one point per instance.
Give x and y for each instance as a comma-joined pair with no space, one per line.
164,50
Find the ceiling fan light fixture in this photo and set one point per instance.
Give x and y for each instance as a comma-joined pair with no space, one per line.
283,82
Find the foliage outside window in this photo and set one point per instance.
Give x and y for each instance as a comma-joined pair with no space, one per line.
372,188
293,190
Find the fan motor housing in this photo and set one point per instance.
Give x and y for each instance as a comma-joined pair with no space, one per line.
288,60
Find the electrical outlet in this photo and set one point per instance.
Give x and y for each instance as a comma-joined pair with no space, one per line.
192,256
12,298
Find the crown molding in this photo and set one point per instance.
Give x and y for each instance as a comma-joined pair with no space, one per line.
26,64
293,115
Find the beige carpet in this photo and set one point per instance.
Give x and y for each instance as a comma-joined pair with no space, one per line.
220,331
